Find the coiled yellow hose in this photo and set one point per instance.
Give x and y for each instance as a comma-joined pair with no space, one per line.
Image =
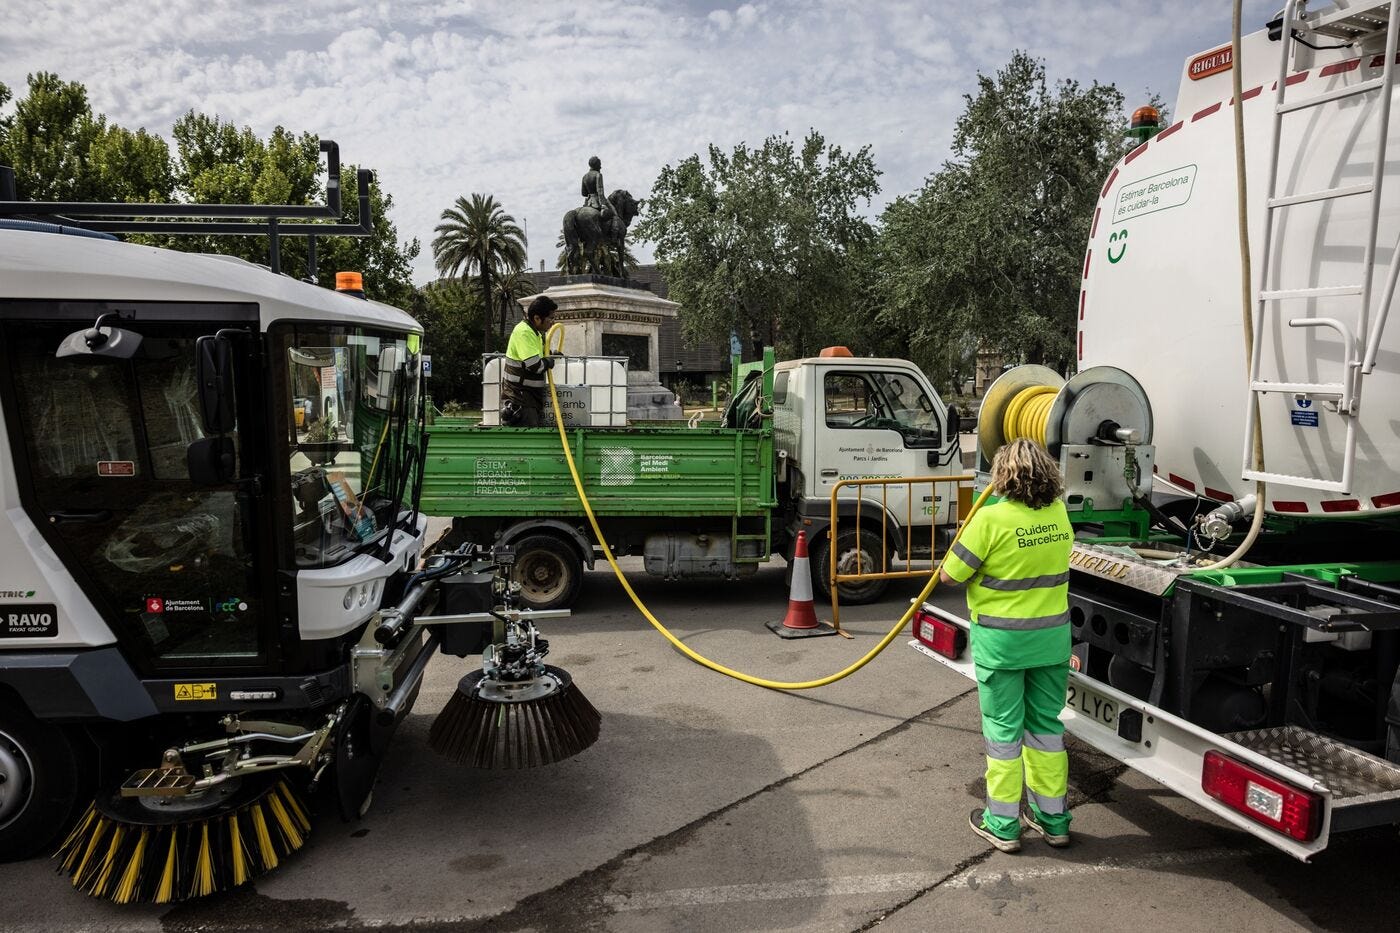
681,646
1028,413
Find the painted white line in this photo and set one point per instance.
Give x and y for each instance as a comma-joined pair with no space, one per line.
898,882
973,877
772,891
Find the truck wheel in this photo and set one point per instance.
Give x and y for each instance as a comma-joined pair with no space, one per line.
549,572
39,783
866,546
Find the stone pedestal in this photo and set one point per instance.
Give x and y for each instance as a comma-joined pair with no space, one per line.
605,316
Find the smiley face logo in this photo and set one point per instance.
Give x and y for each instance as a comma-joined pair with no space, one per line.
1121,238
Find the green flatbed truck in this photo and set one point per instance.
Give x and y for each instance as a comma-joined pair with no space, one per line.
705,501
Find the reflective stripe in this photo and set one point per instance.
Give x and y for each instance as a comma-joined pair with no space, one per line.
1003,808
1025,583
1045,743
1050,805
1002,751
1036,622
966,556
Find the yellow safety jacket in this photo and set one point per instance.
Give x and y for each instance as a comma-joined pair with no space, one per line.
524,365
1017,559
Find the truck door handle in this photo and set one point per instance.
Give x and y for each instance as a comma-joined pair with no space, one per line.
87,516
829,472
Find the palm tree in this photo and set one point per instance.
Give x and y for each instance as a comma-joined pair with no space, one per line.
511,284
478,237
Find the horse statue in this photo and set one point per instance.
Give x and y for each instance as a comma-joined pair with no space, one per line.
587,230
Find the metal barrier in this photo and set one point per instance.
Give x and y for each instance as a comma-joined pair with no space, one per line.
887,518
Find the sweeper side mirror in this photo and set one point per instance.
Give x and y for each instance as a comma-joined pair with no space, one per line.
211,460
214,374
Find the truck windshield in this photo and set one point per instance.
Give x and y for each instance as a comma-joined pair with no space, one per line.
889,400
352,399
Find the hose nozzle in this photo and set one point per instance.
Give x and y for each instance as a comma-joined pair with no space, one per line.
1216,524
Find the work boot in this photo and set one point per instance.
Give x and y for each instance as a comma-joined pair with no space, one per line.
1003,845
1058,840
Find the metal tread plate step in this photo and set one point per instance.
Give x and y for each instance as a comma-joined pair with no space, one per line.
1356,779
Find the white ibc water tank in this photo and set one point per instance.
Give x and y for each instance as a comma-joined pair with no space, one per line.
1161,285
598,383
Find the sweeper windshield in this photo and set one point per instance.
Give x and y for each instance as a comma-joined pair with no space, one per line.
352,394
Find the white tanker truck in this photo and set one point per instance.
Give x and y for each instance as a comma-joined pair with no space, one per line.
1237,633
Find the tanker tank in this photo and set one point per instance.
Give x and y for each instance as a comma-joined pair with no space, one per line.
1161,287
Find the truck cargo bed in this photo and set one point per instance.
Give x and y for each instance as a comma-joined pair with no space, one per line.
635,471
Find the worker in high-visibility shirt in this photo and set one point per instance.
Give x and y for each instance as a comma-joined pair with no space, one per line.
523,380
1015,553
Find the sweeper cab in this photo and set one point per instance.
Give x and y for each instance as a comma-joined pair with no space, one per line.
213,592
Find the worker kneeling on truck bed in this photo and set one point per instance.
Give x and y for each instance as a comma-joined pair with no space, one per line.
523,379
1016,554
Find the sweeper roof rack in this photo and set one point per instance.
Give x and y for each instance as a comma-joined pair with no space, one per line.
216,219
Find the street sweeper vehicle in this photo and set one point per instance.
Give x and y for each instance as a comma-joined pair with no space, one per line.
713,502
1238,640
213,597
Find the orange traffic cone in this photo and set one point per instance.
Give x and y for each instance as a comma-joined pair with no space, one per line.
801,619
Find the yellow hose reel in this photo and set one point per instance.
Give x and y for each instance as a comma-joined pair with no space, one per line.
1100,404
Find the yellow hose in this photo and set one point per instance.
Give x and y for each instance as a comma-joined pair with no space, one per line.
676,642
1028,413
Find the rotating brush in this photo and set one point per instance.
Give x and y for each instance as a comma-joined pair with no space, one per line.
511,724
162,850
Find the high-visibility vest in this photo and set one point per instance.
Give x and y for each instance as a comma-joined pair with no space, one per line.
524,364
1017,559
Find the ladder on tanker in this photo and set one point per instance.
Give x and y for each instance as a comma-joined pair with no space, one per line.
1351,24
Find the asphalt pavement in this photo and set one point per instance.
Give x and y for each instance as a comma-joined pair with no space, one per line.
711,805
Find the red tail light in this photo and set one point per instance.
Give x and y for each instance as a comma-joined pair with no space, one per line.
945,638
1266,800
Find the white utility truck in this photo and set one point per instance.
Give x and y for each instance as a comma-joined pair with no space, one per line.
707,501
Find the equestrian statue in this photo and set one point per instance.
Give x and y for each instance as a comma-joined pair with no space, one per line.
595,234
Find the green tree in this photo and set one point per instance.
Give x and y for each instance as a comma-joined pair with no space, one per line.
990,250
509,286
62,151
219,163
768,243
478,237
450,313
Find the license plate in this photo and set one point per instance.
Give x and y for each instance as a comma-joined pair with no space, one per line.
1092,705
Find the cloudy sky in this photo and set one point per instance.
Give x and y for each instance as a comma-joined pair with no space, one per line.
446,97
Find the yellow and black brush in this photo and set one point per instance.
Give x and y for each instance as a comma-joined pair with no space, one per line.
149,850
507,725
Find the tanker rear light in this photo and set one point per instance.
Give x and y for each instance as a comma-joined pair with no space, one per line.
1264,799
940,636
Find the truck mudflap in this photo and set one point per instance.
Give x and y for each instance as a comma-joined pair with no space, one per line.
1273,770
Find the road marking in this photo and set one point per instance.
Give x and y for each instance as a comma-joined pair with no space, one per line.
901,881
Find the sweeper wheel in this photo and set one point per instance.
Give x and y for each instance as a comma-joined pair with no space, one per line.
162,850
508,734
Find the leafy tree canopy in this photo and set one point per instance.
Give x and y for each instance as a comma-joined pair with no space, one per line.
989,251
767,243
450,312
62,151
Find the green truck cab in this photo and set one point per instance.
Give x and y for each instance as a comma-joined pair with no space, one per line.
708,501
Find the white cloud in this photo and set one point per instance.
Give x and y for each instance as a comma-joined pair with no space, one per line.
445,97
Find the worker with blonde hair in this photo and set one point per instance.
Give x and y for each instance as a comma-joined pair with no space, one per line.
1015,553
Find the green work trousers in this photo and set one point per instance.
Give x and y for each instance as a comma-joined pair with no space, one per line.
1022,732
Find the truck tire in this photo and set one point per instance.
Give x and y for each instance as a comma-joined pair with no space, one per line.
39,783
549,571
852,594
